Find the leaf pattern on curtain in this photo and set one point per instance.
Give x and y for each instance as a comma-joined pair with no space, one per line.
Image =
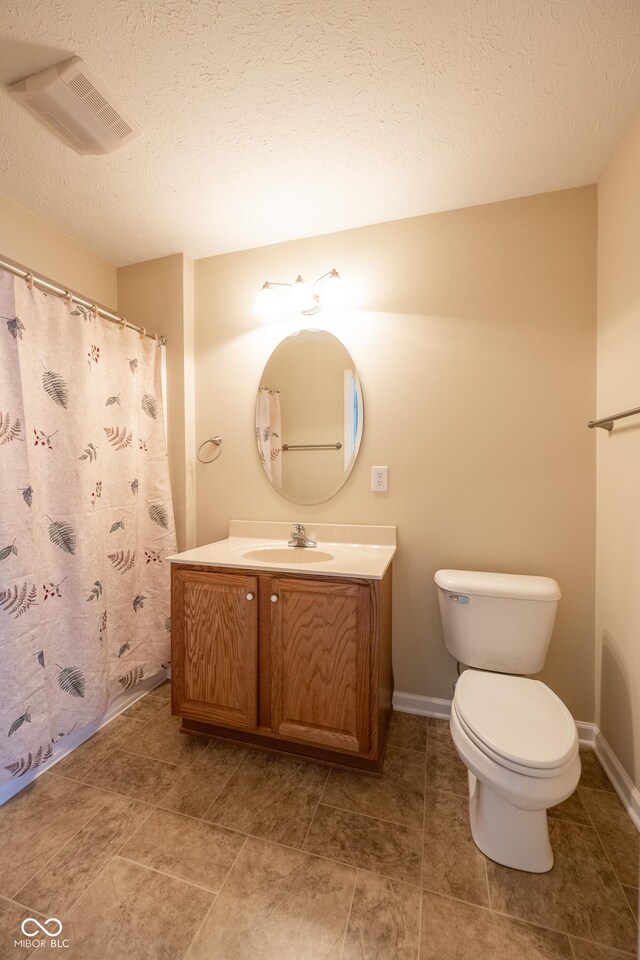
86,520
269,433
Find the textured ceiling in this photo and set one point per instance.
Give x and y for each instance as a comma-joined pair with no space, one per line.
267,121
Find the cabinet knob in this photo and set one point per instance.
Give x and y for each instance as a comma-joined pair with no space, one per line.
249,596
274,598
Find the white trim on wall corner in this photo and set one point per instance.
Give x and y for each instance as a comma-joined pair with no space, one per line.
588,734
622,782
67,744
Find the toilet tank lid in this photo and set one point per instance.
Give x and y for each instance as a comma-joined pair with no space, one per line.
511,585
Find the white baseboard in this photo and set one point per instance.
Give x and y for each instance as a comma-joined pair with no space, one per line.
424,706
441,710
63,747
588,734
624,786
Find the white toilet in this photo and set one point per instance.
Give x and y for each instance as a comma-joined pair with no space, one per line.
515,736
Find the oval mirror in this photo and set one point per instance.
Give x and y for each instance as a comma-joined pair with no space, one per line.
309,416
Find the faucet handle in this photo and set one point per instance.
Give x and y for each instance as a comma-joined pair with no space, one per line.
299,537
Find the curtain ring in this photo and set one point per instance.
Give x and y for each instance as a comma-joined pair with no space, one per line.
123,323
94,310
68,297
29,279
142,333
156,337
217,441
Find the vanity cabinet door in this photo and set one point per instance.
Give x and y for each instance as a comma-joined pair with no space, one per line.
320,650
215,648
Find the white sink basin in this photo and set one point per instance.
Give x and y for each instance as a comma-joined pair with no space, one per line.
287,555
261,545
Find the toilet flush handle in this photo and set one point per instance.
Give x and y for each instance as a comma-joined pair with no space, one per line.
458,597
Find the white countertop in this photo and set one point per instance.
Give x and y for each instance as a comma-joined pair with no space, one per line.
344,550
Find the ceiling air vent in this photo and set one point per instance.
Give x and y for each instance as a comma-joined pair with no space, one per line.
73,103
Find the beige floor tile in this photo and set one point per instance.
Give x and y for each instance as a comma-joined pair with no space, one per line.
93,751
622,845
191,850
163,690
204,779
59,884
592,775
270,796
452,930
384,920
633,895
445,769
145,708
585,950
616,831
11,917
37,822
390,849
138,777
453,865
277,904
161,739
579,896
571,809
397,795
408,730
438,729
606,805
132,913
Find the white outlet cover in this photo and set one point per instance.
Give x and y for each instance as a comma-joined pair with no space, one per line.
380,479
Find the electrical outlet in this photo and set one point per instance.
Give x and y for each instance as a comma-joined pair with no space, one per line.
380,479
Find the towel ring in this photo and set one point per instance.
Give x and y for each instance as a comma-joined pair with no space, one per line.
215,440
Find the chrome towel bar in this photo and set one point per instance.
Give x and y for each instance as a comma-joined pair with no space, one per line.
311,446
607,422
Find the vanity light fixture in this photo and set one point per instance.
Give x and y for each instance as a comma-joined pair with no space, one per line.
301,298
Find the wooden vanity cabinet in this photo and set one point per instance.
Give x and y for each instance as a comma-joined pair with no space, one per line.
320,675
215,640
300,664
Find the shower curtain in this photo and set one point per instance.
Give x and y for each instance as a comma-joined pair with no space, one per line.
86,520
269,433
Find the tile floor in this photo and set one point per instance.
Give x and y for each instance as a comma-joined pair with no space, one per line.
149,845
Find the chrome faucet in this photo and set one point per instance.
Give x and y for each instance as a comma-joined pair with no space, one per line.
299,537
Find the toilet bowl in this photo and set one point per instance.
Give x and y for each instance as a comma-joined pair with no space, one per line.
520,746
515,736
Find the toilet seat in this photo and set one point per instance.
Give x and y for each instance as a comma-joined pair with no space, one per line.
518,722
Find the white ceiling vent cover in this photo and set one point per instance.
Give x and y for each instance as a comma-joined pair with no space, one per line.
73,103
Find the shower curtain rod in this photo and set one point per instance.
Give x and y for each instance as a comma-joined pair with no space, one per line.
20,271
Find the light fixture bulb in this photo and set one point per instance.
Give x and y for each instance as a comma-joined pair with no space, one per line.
267,302
300,297
334,293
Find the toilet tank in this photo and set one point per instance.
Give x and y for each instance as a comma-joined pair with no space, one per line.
497,621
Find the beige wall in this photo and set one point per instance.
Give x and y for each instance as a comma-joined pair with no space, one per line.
158,295
474,335
26,238
618,456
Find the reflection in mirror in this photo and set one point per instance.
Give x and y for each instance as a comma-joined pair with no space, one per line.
309,416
